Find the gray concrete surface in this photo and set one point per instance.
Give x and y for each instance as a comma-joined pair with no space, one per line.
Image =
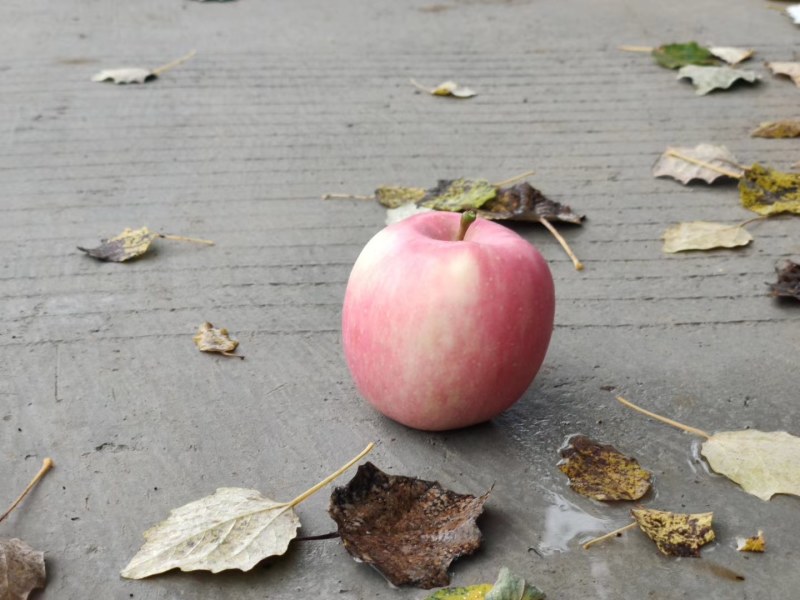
287,101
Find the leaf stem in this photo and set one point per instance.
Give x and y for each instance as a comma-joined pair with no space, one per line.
47,464
314,538
180,238
652,415
329,478
419,86
608,535
232,355
636,48
346,197
578,264
467,219
173,64
704,164
514,179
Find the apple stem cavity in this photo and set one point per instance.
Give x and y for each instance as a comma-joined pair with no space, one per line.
578,264
47,464
467,219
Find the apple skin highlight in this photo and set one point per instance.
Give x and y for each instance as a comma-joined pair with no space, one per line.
440,334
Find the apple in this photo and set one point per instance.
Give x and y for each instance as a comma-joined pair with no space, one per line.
445,321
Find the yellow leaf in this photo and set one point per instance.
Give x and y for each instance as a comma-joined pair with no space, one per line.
125,246
777,129
676,534
703,235
757,543
209,339
769,192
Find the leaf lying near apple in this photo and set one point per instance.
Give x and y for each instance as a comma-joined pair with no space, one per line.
444,324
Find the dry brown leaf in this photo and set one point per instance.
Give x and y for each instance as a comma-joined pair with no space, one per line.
788,128
732,56
703,235
699,166
523,202
676,534
410,530
602,472
210,339
788,284
757,543
21,570
789,69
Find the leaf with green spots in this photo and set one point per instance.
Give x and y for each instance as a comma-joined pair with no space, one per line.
472,592
675,56
458,195
392,196
507,587
769,192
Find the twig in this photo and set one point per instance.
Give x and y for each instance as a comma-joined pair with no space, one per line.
608,535
635,48
232,355
313,538
514,179
180,238
346,197
331,477
704,164
652,415
47,464
173,64
578,264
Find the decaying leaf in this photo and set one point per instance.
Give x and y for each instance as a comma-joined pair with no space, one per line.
675,56
125,246
210,339
763,463
602,472
707,79
675,534
395,196
770,192
794,12
788,128
703,235
410,530
234,528
732,56
507,587
523,202
458,195
22,570
789,69
470,592
686,164
137,74
757,543
788,284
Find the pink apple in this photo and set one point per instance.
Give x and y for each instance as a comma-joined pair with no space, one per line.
440,333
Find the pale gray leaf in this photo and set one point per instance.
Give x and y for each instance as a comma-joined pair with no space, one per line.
125,75
706,79
669,165
21,570
703,235
732,56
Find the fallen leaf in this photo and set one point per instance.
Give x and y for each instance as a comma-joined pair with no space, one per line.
602,472
125,75
447,88
788,284
763,463
794,12
395,196
703,235
210,339
675,56
457,195
410,530
22,570
523,202
707,79
234,528
507,587
777,129
471,592
686,164
770,192
790,69
395,215
732,56
675,534
125,246
757,543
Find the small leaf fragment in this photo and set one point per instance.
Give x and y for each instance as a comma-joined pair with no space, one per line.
458,195
703,235
125,246
671,163
732,56
395,196
210,339
788,128
410,530
523,202
707,79
602,472
676,534
788,284
674,56
756,543
794,12
770,192
762,463
22,570
451,88
470,592
125,75
789,69
513,587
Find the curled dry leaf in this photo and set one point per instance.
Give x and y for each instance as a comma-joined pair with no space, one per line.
126,75
789,69
523,202
707,79
770,192
507,587
602,472
756,543
705,161
210,339
732,56
676,534
777,129
703,235
788,284
675,56
22,570
125,246
410,530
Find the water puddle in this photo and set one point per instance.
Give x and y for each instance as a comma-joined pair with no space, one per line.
564,523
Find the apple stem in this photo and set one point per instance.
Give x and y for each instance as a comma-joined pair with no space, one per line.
578,264
47,464
467,219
